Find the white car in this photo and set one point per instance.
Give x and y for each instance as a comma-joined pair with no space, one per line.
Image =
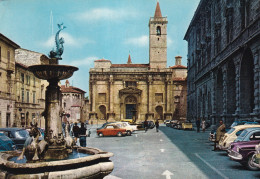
125,125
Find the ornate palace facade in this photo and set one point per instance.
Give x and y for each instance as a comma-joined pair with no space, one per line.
146,91
223,60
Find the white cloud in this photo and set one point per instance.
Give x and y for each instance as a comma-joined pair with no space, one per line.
84,62
104,14
138,41
69,41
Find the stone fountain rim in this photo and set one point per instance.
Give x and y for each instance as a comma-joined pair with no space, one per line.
98,154
53,65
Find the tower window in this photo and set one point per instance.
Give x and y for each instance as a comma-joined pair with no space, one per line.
158,30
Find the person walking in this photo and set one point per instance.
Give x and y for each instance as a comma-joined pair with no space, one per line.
75,130
145,125
82,135
219,134
203,125
157,125
198,124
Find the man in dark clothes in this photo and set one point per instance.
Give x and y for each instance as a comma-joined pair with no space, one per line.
157,125
82,135
198,124
145,125
75,131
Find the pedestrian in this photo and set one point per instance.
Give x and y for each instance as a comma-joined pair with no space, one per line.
203,125
198,124
76,131
157,124
219,134
145,125
82,135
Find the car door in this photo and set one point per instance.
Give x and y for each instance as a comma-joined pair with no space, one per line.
109,130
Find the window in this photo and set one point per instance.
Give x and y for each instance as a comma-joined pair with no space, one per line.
27,79
158,30
28,96
22,78
22,95
34,95
177,99
255,136
130,83
158,97
34,81
8,56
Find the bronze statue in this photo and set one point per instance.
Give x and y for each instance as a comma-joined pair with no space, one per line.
59,44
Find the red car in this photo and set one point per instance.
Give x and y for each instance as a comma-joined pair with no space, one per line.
111,130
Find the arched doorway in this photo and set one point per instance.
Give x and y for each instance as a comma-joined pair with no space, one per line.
159,112
130,106
231,88
247,83
219,94
102,114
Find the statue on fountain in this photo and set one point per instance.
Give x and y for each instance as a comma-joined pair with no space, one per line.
59,44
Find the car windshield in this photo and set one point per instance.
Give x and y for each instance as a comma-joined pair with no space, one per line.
230,130
21,134
234,124
243,134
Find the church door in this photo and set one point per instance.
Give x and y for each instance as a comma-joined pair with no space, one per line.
129,110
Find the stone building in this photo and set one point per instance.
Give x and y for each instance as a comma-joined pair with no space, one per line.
73,103
29,90
7,76
223,60
141,91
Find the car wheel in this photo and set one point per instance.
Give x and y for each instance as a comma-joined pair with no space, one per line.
119,134
128,133
249,163
101,134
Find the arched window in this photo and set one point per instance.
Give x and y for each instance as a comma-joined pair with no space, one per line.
158,30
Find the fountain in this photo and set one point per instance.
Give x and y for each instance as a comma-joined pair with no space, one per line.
55,156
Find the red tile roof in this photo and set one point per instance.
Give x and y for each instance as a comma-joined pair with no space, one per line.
71,89
102,60
129,65
157,11
179,67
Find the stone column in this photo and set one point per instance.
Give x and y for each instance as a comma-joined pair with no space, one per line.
111,99
256,83
213,97
237,66
224,72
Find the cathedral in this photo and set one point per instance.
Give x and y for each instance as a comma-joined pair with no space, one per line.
140,91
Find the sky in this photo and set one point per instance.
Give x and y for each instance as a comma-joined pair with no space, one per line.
95,29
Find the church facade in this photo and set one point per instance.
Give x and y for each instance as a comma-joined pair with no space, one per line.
140,91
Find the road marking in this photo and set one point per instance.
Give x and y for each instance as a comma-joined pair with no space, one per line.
111,177
210,166
162,150
161,140
135,135
168,174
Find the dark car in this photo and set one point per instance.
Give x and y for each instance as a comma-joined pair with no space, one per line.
6,144
17,135
242,152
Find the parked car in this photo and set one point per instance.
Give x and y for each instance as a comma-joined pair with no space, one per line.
232,135
243,152
186,125
17,135
125,125
6,144
104,125
173,123
249,134
111,130
167,123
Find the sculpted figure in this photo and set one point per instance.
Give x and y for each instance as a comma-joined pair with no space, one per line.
59,44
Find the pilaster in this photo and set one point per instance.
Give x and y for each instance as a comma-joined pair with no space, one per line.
256,82
237,79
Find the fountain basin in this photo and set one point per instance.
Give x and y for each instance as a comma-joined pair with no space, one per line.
53,71
97,165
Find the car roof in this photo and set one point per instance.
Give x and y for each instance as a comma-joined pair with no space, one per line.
252,129
246,126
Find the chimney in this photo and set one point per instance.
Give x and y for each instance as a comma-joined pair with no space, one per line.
178,60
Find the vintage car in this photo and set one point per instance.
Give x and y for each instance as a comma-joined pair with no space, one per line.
17,135
6,144
125,125
249,134
111,130
232,135
186,125
243,152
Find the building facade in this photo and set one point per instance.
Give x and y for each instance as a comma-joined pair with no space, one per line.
140,91
29,90
7,80
223,60
74,105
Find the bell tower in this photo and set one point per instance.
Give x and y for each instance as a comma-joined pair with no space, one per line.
158,39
